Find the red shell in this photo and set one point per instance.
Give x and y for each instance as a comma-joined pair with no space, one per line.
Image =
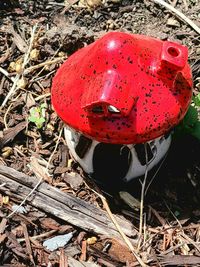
124,88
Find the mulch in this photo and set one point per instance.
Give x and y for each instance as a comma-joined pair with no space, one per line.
36,37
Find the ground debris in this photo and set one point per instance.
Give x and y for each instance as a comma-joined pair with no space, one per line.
180,260
58,241
10,133
64,203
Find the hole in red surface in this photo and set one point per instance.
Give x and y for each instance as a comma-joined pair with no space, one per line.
174,52
97,109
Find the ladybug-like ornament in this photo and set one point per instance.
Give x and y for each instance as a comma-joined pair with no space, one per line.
119,97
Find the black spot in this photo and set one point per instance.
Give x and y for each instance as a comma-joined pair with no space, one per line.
148,95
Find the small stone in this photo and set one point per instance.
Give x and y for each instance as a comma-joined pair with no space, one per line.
110,24
91,240
6,152
198,51
34,54
22,83
172,22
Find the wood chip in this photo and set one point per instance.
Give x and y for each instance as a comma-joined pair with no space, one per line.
83,250
28,244
63,259
3,225
179,260
10,133
2,238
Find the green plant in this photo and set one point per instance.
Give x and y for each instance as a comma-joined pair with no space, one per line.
37,115
191,121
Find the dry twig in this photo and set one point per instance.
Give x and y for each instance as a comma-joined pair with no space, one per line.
43,64
127,241
19,75
179,14
39,237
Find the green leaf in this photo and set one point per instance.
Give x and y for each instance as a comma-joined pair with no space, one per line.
176,213
196,100
44,105
40,122
32,119
37,115
191,117
196,130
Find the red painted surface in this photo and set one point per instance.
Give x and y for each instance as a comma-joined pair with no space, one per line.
147,80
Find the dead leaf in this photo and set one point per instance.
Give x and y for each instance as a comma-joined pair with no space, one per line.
10,133
18,40
120,252
74,180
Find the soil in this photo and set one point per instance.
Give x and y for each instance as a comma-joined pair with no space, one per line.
171,204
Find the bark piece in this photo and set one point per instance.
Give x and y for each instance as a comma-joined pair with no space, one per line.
180,260
62,205
10,133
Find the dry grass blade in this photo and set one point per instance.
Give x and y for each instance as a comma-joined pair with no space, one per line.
39,170
25,199
55,148
39,237
106,206
179,14
190,241
43,64
142,198
4,72
18,76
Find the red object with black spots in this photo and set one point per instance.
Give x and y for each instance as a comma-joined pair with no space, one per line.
124,88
